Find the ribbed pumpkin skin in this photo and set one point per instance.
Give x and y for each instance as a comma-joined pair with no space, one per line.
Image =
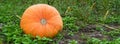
31,21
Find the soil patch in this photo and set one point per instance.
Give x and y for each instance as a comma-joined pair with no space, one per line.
86,32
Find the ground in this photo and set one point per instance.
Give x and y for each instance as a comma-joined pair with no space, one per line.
85,22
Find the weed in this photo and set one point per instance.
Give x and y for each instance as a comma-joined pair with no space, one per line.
73,42
69,23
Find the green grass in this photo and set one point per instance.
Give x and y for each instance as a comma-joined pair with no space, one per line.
77,15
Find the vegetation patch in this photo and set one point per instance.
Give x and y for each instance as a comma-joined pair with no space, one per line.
85,22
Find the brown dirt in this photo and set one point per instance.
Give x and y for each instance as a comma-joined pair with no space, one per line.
88,32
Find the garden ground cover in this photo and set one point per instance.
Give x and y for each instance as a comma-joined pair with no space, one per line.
85,22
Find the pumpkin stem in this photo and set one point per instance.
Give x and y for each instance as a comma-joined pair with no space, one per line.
43,21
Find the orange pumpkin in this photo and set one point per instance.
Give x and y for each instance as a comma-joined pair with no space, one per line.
41,20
